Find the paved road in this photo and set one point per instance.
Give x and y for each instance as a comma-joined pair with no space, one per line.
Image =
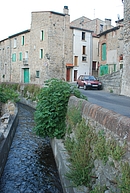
117,103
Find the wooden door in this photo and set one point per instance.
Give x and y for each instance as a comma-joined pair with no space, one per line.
75,75
26,75
68,74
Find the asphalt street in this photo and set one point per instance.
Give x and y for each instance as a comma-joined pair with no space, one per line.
117,103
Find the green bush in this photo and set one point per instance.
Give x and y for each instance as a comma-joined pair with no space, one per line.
7,93
51,108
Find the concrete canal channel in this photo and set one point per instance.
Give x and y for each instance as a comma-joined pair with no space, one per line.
30,167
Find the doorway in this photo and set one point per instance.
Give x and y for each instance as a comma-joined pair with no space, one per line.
75,74
26,75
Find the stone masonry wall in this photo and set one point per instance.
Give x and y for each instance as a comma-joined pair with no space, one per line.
112,82
8,125
114,126
57,45
125,89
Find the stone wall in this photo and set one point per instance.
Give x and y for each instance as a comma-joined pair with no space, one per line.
112,82
114,126
7,131
114,47
125,89
56,47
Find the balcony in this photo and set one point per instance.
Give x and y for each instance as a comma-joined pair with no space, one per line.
25,61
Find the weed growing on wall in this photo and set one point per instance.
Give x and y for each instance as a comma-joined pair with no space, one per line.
103,149
115,150
84,146
98,189
100,149
79,149
31,91
73,117
124,184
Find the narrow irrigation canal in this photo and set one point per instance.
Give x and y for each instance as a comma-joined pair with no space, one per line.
30,166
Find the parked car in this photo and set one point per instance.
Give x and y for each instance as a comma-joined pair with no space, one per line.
88,82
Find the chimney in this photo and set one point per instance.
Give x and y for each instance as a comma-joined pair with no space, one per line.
108,22
66,10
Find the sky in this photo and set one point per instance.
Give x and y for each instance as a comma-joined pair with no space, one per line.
15,15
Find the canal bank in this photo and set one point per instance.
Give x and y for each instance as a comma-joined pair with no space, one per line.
114,125
30,165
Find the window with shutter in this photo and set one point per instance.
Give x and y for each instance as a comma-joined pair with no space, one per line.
103,52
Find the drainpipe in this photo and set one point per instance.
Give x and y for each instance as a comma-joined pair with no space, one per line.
91,53
10,63
63,60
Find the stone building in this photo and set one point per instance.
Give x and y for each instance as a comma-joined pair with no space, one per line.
53,48
97,26
5,67
111,49
39,53
82,52
125,87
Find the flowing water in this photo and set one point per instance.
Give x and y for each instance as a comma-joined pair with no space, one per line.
30,166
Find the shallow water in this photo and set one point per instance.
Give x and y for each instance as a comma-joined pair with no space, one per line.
30,166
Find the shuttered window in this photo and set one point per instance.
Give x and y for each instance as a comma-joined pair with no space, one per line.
42,35
14,57
103,52
20,56
75,60
41,53
22,40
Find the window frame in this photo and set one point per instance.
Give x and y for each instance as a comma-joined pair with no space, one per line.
15,42
84,58
14,57
83,36
83,50
37,74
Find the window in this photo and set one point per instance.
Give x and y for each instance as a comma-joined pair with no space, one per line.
121,66
83,35
84,50
84,58
15,42
41,53
103,52
22,40
37,74
20,56
26,55
101,28
42,35
14,57
75,60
